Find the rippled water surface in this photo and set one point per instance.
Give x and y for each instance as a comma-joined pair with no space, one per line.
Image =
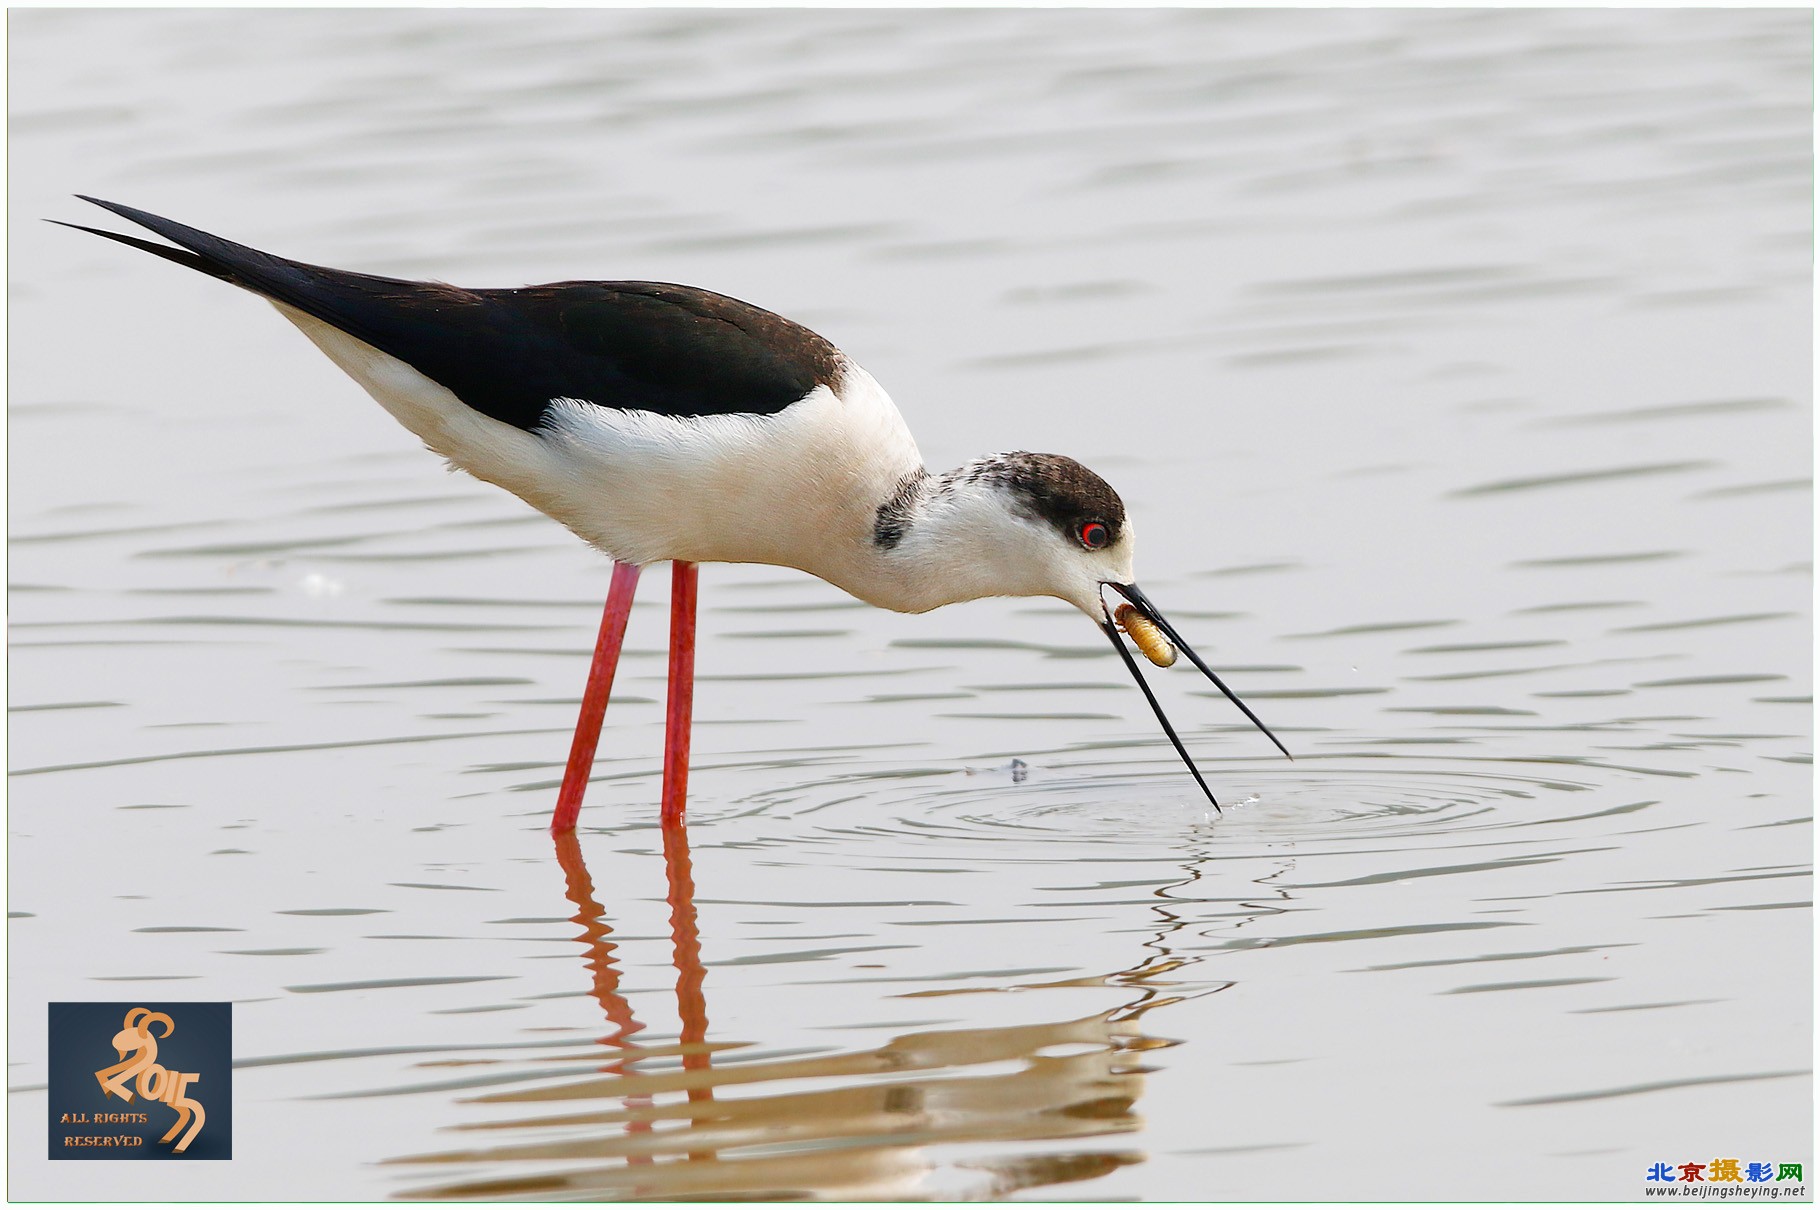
1455,367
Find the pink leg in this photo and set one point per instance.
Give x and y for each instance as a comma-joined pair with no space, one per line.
683,579
594,698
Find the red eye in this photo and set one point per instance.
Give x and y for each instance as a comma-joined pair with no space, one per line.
1094,535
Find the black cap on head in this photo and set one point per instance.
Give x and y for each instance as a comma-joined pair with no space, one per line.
1055,490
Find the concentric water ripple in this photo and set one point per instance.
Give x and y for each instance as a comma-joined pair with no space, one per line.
1134,801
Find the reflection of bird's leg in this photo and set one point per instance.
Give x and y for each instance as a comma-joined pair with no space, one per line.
691,1003
589,914
595,934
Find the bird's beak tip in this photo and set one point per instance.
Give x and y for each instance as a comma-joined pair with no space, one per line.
1144,605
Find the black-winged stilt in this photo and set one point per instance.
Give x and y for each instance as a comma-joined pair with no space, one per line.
662,422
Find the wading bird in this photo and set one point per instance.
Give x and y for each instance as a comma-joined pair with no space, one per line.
662,422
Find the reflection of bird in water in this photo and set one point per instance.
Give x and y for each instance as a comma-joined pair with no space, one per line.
666,422
662,1133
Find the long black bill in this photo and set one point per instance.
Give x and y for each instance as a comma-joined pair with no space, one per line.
1118,645
1132,593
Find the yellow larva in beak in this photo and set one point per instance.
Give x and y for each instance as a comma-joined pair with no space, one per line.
1157,649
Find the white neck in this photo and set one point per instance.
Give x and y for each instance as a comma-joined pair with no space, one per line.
959,536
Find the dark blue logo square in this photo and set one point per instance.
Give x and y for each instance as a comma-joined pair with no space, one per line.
144,1080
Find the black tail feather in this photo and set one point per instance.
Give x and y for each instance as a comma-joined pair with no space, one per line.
359,304
178,255
247,267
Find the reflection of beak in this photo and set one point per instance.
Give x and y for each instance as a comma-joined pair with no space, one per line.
1143,604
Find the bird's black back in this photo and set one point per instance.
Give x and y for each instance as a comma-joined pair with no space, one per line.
674,350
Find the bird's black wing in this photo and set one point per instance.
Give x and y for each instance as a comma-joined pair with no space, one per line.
670,349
